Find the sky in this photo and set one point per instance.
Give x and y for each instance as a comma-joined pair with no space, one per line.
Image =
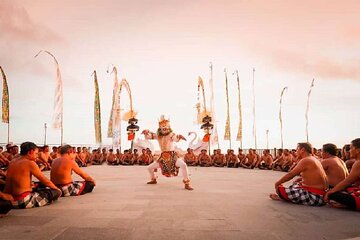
162,46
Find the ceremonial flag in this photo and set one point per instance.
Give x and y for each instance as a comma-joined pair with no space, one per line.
280,117
129,114
114,106
227,135
97,112
58,103
254,120
5,99
239,133
307,110
214,136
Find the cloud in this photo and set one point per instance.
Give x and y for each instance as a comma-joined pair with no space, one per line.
22,37
323,67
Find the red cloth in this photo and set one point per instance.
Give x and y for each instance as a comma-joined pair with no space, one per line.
131,136
206,138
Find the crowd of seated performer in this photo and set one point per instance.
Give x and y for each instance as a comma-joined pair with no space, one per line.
17,190
324,177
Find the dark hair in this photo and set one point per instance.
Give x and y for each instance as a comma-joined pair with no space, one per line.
65,149
307,146
330,149
356,143
26,147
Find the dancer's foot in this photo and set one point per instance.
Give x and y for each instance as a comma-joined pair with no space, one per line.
187,184
153,181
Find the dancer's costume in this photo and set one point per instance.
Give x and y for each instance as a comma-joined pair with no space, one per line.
168,162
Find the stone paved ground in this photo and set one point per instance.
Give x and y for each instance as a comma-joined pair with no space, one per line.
226,204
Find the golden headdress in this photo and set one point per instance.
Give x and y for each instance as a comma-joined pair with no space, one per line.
164,121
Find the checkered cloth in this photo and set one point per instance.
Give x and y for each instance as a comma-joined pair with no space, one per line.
167,161
296,193
30,200
72,189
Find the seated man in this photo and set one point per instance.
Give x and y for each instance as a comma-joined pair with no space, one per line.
44,158
151,156
4,162
135,156
334,167
204,159
61,171
127,158
241,157
190,158
266,160
5,204
310,188
287,161
103,155
347,192
278,160
144,158
111,158
95,158
54,154
231,159
219,159
18,180
251,159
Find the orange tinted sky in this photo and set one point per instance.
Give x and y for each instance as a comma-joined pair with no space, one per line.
162,46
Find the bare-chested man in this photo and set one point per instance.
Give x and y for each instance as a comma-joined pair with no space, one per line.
266,160
18,180
231,159
151,155
80,157
8,153
118,155
96,157
4,162
310,188
219,159
85,156
204,159
111,158
61,171
103,157
251,159
127,158
347,192
241,156
334,167
144,158
287,160
55,153
135,156
190,158
44,158
278,160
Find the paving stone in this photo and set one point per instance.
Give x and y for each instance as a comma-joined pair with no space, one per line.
226,204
